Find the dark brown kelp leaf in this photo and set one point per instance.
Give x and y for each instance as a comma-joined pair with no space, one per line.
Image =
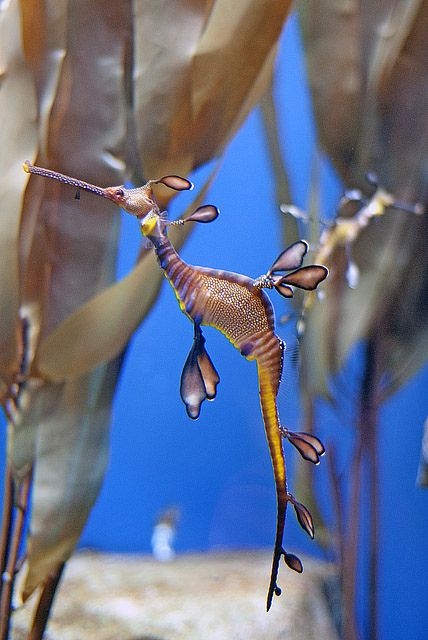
75,142
282,187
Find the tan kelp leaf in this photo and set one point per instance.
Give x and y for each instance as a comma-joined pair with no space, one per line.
17,140
332,40
72,454
72,249
68,253
44,29
196,76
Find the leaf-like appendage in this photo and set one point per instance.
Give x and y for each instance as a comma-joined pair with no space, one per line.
192,387
312,440
307,277
290,258
209,374
284,290
304,518
293,562
176,182
206,213
306,450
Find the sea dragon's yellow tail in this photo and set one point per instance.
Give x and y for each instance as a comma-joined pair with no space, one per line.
274,438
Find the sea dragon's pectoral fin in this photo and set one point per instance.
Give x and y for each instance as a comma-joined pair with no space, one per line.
199,379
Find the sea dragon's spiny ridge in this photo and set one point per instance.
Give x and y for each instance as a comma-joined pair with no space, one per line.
237,306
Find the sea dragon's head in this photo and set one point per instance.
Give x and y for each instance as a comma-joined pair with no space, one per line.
138,202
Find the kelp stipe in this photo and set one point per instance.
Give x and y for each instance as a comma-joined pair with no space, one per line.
238,307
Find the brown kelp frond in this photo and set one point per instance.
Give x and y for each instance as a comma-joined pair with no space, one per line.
188,90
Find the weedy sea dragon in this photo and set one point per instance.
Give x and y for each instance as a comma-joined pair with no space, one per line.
237,306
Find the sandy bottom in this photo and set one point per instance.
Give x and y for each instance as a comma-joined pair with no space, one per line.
216,596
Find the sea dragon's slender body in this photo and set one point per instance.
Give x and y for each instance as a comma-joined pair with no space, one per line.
237,306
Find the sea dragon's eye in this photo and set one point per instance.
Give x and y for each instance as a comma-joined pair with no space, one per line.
119,192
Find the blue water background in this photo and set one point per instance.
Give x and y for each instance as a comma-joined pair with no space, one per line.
217,470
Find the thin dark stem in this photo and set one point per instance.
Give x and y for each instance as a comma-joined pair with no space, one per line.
337,503
44,606
349,570
374,539
6,524
8,577
370,402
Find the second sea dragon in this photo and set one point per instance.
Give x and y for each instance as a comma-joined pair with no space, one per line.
237,306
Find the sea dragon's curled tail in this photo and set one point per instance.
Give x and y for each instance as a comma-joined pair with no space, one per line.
237,306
